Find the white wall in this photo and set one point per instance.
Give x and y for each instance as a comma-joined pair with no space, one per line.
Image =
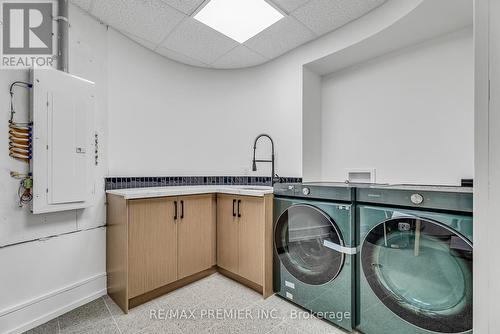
487,164
409,115
182,120
44,278
311,124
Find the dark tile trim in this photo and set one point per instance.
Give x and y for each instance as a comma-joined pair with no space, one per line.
166,181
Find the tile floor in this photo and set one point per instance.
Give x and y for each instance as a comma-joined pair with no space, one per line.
245,313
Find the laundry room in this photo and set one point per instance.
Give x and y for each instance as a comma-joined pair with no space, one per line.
249,166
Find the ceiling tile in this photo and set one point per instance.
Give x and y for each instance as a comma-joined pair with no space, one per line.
239,57
289,5
199,41
185,6
183,39
180,57
279,38
151,20
83,4
141,41
322,16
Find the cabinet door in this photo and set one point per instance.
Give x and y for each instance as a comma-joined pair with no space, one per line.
195,228
152,244
227,233
251,239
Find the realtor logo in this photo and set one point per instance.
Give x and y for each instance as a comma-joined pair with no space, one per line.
27,34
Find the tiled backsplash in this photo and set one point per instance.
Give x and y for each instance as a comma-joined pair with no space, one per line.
165,181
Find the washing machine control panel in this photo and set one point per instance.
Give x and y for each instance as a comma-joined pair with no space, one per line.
306,191
417,199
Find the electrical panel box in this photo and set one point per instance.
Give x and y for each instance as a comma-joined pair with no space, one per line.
62,165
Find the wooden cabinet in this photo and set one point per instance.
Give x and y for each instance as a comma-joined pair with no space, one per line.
251,239
152,245
156,245
227,233
244,239
196,235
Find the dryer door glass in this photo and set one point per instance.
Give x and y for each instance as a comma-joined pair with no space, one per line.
309,244
422,271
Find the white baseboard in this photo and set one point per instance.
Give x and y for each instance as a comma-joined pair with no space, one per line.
37,311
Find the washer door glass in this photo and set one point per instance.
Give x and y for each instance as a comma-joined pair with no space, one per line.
422,271
305,240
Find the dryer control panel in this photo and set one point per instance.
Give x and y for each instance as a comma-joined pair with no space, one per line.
328,191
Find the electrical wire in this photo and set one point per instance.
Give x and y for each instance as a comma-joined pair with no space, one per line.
24,192
11,92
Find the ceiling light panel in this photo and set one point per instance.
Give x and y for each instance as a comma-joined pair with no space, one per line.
238,19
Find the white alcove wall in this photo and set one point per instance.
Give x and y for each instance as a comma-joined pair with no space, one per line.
401,104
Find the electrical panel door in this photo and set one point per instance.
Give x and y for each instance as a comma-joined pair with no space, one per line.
63,141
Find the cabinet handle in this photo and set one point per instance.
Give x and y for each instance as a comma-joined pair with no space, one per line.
234,213
182,209
239,212
175,210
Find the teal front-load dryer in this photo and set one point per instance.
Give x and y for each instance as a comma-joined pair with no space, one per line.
314,249
415,260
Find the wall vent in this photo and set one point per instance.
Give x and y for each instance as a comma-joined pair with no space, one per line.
357,175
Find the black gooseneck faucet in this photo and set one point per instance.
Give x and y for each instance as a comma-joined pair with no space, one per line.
274,177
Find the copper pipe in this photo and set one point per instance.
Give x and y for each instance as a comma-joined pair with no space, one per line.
18,135
21,158
23,147
21,130
20,141
19,151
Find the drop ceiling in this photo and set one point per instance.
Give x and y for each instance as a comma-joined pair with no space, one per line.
168,28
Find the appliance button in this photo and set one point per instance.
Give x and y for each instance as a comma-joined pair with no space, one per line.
306,191
417,199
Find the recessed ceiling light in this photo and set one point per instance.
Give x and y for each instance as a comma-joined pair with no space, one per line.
238,19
